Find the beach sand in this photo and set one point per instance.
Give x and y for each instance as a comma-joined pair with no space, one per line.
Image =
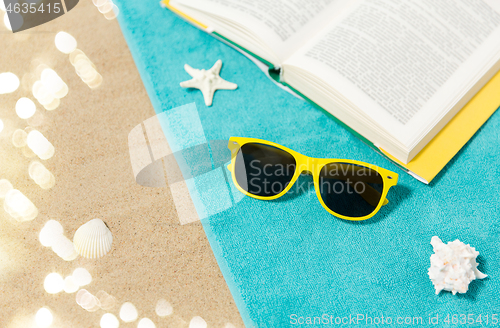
153,256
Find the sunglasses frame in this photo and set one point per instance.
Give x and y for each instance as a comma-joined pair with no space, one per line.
313,166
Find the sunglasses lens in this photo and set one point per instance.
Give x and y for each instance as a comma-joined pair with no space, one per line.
263,170
349,189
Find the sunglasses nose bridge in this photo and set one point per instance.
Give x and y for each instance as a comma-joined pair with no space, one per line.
308,166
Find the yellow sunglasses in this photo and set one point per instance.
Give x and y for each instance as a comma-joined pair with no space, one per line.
348,189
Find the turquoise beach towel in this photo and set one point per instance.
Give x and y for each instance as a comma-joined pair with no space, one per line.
288,262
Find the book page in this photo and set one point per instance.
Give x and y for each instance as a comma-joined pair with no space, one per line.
405,62
283,25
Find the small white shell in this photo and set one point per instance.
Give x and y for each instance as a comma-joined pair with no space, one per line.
453,266
93,239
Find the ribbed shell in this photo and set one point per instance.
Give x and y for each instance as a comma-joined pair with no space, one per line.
93,239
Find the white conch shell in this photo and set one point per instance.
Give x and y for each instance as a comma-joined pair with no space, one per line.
453,266
93,239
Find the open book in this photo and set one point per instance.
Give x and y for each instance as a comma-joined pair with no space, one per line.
394,72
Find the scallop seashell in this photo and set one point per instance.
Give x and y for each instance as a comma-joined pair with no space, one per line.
93,239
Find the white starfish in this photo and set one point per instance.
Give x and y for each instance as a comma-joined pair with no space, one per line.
208,81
